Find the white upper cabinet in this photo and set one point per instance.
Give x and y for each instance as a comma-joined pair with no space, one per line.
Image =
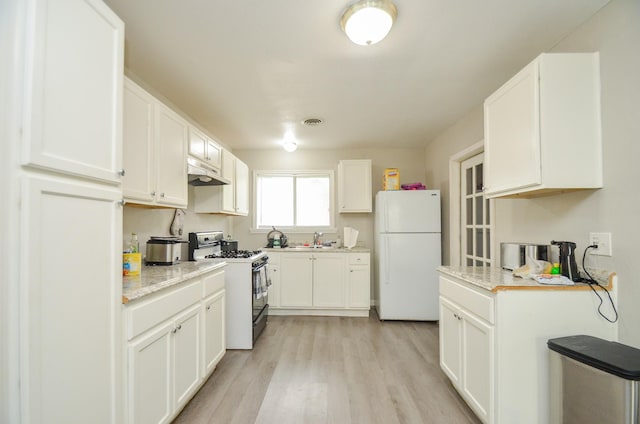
542,128
171,157
233,198
354,186
138,118
75,84
155,150
204,148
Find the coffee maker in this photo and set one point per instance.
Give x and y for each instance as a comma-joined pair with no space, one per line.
567,257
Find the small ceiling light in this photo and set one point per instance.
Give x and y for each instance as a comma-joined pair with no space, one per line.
368,21
289,143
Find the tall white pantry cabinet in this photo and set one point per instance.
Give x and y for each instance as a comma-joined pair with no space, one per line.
63,362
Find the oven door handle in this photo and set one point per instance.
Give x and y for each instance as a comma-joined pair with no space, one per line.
259,267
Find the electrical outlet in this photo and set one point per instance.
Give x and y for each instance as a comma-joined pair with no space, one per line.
603,240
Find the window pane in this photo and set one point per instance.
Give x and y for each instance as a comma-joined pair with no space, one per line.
479,177
469,210
275,201
488,212
479,242
312,201
469,178
488,241
479,202
469,241
469,262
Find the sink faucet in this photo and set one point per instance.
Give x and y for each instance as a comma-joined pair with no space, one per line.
316,238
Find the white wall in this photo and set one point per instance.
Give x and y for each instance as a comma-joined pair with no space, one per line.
409,161
615,32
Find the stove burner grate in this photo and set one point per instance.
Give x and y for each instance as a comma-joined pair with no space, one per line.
235,254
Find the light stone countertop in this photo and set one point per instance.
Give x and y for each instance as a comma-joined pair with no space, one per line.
156,278
495,279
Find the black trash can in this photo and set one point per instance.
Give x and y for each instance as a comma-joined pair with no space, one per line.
593,381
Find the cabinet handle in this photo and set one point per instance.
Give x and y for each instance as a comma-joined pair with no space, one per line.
180,327
153,193
209,308
350,270
161,194
122,202
174,330
121,172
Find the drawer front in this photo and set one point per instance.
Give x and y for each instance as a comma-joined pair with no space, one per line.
213,283
274,258
141,317
473,301
358,259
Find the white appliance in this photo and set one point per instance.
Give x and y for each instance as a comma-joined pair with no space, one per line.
407,253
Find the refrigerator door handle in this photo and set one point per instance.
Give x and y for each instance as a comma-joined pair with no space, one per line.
386,260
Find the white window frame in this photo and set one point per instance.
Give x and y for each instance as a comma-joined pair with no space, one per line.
331,228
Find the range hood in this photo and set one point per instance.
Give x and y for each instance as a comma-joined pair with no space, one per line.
200,174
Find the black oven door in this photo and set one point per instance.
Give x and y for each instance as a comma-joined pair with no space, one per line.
260,298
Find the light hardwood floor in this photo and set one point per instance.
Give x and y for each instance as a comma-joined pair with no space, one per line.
332,370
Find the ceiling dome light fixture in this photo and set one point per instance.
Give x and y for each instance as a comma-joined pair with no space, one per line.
367,22
289,143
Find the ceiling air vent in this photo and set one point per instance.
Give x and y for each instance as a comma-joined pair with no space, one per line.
312,122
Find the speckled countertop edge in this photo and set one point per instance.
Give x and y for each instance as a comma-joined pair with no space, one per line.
320,250
495,279
155,278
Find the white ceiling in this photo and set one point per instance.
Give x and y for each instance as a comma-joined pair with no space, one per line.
249,70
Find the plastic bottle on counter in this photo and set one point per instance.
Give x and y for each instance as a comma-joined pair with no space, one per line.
134,245
276,241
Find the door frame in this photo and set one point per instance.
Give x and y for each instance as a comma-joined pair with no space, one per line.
455,163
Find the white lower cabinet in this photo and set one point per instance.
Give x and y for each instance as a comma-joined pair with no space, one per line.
214,343
175,339
359,281
319,283
493,344
296,280
164,368
467,355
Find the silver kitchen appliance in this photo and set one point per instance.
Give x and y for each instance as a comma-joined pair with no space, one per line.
164,250
515,255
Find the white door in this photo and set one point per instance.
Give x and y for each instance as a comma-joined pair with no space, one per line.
329,279
71,300
409,211
150,381
512,133
214,326
450,340
475,214
359,281
138,182
296,276
76,71
477,365
186,358
408,277
171,150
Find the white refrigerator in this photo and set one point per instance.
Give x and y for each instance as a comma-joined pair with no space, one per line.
407,253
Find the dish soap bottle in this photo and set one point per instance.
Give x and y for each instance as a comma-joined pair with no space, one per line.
276,241
134,245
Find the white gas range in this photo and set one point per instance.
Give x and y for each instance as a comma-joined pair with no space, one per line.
247,285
